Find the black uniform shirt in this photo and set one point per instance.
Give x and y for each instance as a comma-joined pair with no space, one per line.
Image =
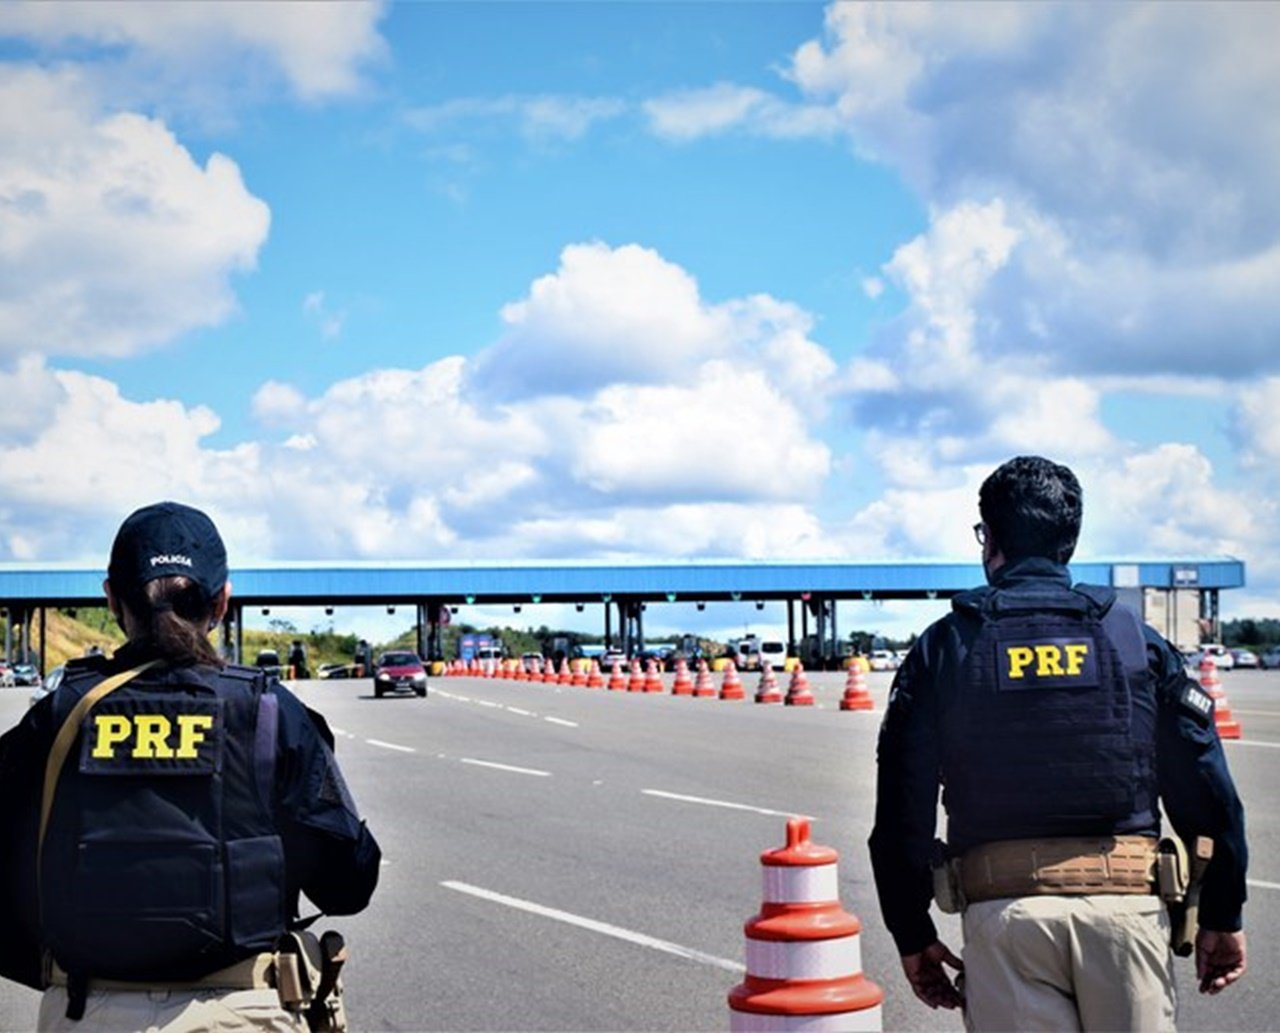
1195,787
330,855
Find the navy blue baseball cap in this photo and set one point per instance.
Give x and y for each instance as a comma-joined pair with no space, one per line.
164,539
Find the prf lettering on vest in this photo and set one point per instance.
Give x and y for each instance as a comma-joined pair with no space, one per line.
151,735
1051,661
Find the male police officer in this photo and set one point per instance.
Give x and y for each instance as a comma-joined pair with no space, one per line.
162,810
1054,720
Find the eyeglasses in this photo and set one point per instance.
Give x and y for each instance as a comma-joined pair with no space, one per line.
980,532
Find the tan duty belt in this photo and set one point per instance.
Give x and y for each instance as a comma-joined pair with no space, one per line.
255,973
1069,865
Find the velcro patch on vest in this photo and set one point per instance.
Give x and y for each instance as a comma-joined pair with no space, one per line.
157,736
1197,701
1047,663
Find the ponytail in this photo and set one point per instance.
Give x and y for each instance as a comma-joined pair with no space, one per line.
174,617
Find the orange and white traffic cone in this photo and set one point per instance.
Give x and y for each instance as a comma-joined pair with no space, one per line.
1228,727
565,677
636,682
521,674
804,960
549,676
595,680
798,692
617,683
703,687
856,696
577,676
731,687
652,678
767,691
683,685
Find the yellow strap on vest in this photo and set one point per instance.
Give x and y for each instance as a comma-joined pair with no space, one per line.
66,736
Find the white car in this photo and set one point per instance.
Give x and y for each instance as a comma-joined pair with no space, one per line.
883,660
1221,655
774,653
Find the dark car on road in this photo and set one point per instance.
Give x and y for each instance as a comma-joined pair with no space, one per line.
25,674
269,661
399,672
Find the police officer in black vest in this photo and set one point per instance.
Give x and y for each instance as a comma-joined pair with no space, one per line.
162,811
1057,725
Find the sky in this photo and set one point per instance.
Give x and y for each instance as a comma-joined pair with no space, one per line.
627,281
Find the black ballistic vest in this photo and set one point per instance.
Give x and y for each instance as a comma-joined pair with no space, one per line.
1052,731
162,859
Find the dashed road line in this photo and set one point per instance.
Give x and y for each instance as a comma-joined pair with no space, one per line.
522,713
561,721
723,803
504,767
390,746
1263,885
617,932
1253,742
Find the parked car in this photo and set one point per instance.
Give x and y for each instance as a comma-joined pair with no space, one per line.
269,661
332,671
531,662
50,682
1221,655
1244,658
399,672
611,656
1270,658
6,674
25,674
774,653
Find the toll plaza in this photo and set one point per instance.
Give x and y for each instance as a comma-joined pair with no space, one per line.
1179,597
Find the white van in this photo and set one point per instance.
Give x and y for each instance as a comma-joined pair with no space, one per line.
774,653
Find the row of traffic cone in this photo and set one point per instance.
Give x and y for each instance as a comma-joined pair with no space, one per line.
648,679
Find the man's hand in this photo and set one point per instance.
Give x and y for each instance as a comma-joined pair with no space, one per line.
931,984
1219,959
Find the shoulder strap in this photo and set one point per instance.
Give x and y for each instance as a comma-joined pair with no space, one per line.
66,736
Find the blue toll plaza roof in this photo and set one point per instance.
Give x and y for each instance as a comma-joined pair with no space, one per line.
456,583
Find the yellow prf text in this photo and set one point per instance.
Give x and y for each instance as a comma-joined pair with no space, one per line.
151,734
1049,660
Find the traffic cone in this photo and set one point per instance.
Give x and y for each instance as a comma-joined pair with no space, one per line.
566,676
798,692
804,961
617,683
595,680
549,676
856,696
521,674
731,687
703,687
1228,728
652,678
577,675
636,683
683,685
767,691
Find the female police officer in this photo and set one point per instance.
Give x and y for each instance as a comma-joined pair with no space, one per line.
163,811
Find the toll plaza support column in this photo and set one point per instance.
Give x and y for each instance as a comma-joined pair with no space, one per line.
791,628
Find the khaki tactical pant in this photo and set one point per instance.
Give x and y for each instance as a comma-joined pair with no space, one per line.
170,1011
1068,963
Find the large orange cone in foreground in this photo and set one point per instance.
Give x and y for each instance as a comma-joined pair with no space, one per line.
683,685
636,683
804,960
1228,727
652,678
617,683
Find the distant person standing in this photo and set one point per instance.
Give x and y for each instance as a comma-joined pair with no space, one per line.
161,811
1056,724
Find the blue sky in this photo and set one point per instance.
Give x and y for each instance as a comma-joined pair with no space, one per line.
595,280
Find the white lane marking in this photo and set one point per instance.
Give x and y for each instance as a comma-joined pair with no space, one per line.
1254,713
1253,742
390,746
342,732
488,703
723,803
504,767
561,721
522,713
1263,885
666,946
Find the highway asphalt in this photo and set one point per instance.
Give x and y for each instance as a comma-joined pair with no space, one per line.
559,858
